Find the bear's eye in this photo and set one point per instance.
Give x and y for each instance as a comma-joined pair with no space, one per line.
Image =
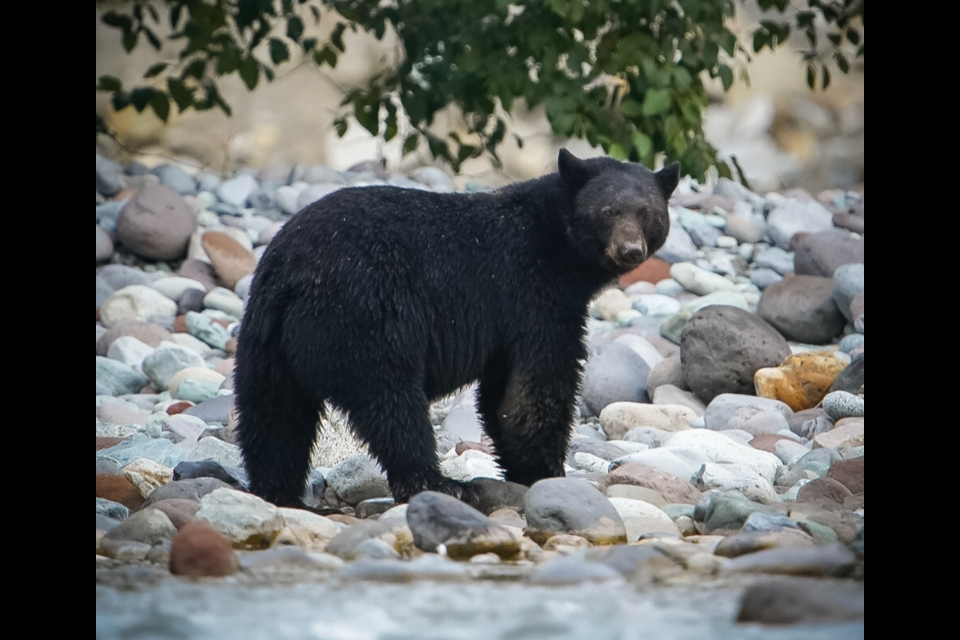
608,212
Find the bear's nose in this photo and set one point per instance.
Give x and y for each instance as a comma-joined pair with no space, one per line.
633,252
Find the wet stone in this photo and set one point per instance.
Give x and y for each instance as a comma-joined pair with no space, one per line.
438,519
566,505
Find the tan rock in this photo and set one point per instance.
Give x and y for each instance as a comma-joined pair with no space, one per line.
848,432
196,373
618,418
231,260
147,475
801,381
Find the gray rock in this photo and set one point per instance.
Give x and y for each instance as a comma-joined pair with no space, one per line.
244,519
851,378
745,228
135,302
156,449
841,404
216,450
129,351
490,495
374,506
347,543
176,178
847,283
679,246
672,328
357,479
104,245
802,602
722,347
567,505
850,342
173,287
156,223
820,254
802,309
721,409
667,371
726,511
727,477
118,276
602,450
818,561
760,521
776,259
188,470
191,489
764,277
438,519
166,360
107,214
793,216
614,373
657,305
216,410
148,526
236,190
203,327
118,378
698,280
671,394
315,192
110,178
758,420
111,509
427,567
434,178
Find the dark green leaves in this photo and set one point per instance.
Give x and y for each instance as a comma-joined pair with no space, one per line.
250,72
294,28
182,95
155,70
279,52
108,83
656,102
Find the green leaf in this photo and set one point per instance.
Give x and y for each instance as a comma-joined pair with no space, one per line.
616,151
326,55
180,93
391,123
279,52
519,141
631,108
410,144
811,76
656,101
294,28
195,69
726,76
120,100
152,37
315,12
175,16
835,38
643,144
853,36
109,83
340,126
129,40
336,37
309,44
825,79
760,39
114,19
161,105
228,61
250,72
842,62
155,70
141,97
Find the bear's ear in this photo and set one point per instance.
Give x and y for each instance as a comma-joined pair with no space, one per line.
572,169
668,178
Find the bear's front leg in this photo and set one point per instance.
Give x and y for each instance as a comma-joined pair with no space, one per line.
528,412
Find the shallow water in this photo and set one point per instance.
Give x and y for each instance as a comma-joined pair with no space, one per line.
427,610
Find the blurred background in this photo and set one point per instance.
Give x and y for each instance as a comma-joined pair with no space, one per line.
783,134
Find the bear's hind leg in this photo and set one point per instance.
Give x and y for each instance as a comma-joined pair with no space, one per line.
276,428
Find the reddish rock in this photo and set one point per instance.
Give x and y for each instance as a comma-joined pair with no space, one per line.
180,511
653,270
198,550
849,473
156,223
702,201
856,305
765,441
672,488
230,346
117,488
178,407
479,446
105,443
200,271
225,367
823,490
343,519
848,221
230,259
819,254
146,332
180,324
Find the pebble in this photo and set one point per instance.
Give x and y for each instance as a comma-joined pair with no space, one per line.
356,479
792,216
148,526
309,531
225,300
614,373
176,179
656,305
135,302
699,281
672,328
156,223
641,518
820,254
471,464
618,418
236,190
166,360
817,561
847,285
116,378
147,475
437,519
174,287
223,453
198,550
719,448
354,541
568,505
726,511
679,246
672,394
723,477
244,519
203,327
156,449
802,309
841,404
847,432
747,542
569,570
797,602
231,259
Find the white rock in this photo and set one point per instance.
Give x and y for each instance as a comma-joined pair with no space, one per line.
788,451
641,517
699,281
216,449
224,300
310,531
589,462
717,447
682,463
642,347
656,305
174,286
129,351
147,475
247,521
728,477
196,373
611,302
471,464
617,418
135,302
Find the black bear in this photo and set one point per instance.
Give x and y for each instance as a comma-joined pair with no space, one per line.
381,300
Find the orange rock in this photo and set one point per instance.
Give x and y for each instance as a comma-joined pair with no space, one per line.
198,550
178,407
117,488
801,380
230,259
653,270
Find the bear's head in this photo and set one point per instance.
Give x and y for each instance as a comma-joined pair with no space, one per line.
619,217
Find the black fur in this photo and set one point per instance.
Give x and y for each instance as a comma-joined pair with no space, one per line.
380,300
